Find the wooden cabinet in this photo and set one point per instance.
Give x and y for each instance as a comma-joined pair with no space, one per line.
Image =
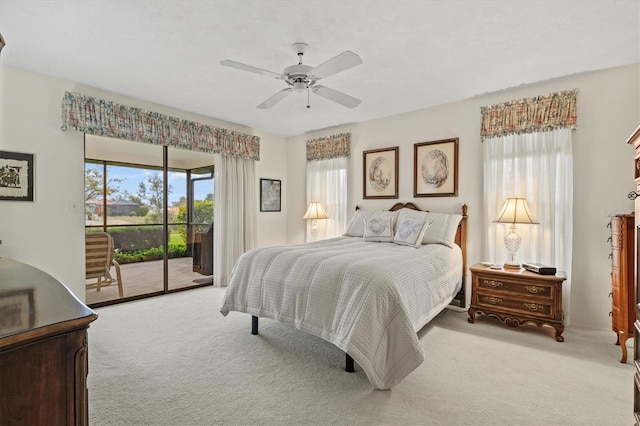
43,349
622,279
517,297
634,139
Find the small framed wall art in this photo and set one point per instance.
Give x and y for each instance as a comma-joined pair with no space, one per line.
380,173
270,195
16,176
435,168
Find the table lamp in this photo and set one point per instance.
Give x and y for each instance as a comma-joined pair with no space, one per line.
315,212
514,210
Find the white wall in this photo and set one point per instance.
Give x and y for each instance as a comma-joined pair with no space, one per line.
608,111
272,226
49,233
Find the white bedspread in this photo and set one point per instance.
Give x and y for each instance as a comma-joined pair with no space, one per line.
367,298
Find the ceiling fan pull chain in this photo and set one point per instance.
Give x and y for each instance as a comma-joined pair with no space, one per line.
308,106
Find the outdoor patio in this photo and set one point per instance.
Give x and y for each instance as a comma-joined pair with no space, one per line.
146,277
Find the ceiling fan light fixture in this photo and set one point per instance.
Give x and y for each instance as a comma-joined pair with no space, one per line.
299,86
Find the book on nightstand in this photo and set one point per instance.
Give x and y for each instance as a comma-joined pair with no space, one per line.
539,268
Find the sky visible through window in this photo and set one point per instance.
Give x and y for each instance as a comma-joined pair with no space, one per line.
130,178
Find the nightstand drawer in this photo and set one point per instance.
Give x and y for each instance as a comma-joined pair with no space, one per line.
517,297
530,289
535,308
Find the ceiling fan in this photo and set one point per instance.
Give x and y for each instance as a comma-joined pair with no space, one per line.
301,78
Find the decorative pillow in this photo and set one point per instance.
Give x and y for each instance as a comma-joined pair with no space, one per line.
356,226
442,229
411,231
378,229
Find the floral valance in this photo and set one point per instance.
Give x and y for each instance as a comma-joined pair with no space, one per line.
554,111
101,117
326,148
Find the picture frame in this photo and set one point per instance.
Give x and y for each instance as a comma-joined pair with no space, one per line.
17,310
16,176
270,195
435,168
380,173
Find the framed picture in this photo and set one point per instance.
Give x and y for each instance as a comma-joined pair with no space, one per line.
16,176
380,173
270,195
17,310
435,168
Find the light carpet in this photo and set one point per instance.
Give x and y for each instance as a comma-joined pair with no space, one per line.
175,360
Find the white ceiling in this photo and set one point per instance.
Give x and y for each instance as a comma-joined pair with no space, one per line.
416,54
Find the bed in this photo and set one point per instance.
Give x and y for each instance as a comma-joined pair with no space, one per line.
368,292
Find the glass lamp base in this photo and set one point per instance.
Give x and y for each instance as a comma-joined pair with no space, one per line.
511,265
512,242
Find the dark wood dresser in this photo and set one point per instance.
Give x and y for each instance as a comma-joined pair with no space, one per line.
634,139
43,349
622,279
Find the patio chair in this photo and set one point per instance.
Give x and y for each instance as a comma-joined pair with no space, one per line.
99,258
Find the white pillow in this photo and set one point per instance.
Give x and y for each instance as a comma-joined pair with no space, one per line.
356,226
410,231
379,229
443,226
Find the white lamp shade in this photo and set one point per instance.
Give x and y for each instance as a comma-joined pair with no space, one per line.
515,210
315,211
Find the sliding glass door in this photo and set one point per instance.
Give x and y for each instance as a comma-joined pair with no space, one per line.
146,199
190,217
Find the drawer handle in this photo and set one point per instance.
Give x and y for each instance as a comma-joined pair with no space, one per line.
534,289
609,225
492,283
533,307
610,255
610,313
610,294
493,300
609,239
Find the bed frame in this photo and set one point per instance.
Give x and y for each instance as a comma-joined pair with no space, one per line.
460,240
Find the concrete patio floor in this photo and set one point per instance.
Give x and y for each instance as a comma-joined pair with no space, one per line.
146,277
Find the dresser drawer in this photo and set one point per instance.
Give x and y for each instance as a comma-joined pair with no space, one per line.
615,258
530,289
616,318
529,307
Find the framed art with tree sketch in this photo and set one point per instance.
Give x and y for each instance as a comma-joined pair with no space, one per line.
435,168
380,173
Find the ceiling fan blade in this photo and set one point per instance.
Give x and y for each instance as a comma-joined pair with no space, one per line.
238,65
335,96
343,61
275,98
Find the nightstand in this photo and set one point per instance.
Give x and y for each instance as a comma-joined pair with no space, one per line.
517,297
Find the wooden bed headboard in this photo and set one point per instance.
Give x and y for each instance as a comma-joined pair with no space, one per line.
461,234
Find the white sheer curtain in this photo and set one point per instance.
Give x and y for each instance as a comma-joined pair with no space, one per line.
235,217
327,183
539,167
